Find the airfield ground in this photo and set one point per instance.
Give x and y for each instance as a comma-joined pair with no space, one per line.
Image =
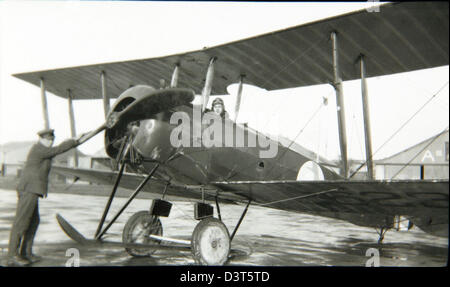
266,237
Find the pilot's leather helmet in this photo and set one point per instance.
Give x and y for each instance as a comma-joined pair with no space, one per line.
217,101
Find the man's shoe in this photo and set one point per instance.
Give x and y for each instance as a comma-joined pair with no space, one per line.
17,261
33,258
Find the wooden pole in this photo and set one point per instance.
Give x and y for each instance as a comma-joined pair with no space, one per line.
337,84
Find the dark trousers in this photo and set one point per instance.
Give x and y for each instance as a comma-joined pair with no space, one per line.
25,225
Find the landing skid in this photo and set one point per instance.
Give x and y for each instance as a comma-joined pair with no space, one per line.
79,238
71,231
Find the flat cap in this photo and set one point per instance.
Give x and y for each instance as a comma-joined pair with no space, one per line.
46,132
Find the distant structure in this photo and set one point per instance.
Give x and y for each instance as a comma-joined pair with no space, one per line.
428,159
101,161
14,154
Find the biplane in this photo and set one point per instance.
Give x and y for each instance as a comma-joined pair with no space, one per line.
155,102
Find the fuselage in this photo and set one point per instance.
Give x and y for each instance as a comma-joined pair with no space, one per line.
231,151
198,148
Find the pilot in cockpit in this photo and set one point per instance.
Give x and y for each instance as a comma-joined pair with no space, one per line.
218,108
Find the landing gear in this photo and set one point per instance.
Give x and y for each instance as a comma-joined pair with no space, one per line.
381,234
137,230
210,242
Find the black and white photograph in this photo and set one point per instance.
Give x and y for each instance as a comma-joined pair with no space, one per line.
234,134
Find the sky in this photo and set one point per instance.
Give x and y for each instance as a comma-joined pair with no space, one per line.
42,35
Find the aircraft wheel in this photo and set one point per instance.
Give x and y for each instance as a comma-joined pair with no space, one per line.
210,242
137,229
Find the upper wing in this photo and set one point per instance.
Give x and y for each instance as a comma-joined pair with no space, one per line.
360,202
400,37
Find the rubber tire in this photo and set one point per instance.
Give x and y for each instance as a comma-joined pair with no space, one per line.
135,220
200,243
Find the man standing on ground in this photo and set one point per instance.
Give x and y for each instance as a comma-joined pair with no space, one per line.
32,185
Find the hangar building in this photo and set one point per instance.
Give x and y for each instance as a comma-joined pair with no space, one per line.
428,159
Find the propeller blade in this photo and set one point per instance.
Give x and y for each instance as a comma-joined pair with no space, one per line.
143,107
85,137
147,104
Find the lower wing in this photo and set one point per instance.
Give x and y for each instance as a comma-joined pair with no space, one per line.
367,203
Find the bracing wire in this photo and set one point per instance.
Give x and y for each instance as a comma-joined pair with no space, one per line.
299,133
401,127
278,107
291,63
291,142
298,197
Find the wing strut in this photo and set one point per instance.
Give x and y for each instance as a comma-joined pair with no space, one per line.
175,75
238,98
44,105
337,84
124,149
108,204
208,83
218,209
135,193
73,130
240,220
105,95
366,115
